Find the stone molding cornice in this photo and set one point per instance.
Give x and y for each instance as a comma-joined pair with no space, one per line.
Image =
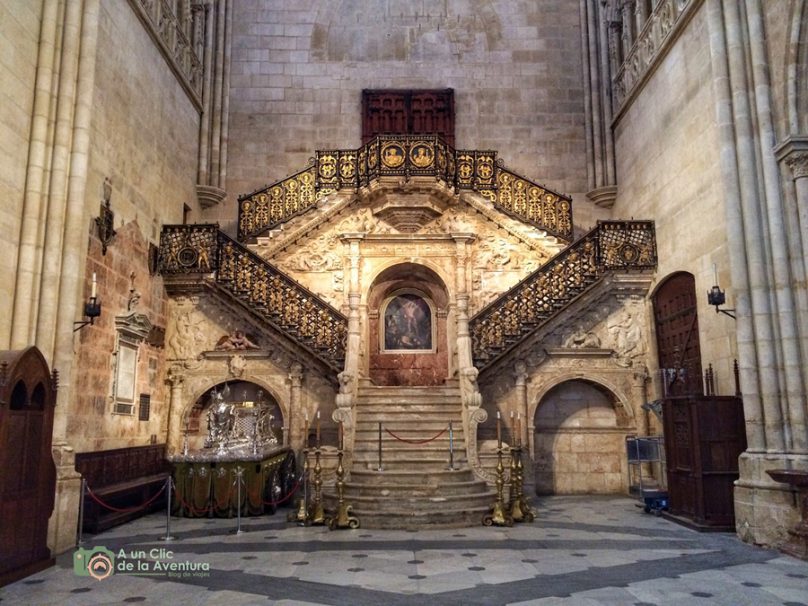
664,26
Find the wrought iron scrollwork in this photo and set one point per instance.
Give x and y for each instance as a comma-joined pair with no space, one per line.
533,204
612,245
265,290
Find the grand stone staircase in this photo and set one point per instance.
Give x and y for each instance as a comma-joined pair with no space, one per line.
415,487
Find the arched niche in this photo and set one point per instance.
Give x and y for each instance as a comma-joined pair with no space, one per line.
238,392
580,428
407,327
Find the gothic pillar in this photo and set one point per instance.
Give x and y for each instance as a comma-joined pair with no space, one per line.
641,14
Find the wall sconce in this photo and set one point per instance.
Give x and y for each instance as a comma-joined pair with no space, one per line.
106,218
92,308
717,297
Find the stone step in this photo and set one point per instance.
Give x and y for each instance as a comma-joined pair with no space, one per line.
419,489
409,476
409,407
396,448
460,517
420,464
421,503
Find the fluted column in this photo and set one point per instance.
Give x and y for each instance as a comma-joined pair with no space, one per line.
520,385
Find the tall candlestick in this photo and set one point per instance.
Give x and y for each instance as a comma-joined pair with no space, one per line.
499,431
94,292
518,428
341,435
318,429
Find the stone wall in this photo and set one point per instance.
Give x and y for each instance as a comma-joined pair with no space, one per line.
667,169
298,71
145,127
579,445
19,36
121,273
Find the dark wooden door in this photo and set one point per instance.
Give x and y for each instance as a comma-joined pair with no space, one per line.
408,112
677,332
27,472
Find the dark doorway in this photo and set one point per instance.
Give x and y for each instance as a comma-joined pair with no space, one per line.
677,332
408,112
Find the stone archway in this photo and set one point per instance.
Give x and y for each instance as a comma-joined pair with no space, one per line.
579,448
407,327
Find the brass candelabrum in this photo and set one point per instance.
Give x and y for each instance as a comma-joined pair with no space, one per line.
498,516
344,517
301,516
316,511
520,508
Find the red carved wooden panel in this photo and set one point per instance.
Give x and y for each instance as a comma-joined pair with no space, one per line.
402,112
677,332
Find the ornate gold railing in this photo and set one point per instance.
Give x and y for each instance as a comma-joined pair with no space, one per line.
405,156
262,288
507,321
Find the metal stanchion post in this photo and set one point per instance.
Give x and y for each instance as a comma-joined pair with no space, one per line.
380,447
80,539
168,537
239,475
451,447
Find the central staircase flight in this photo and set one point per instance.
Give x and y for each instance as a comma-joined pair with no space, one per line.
419,483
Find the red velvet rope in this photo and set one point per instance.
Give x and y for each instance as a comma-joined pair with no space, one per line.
190,507
400,439
128,509
287,497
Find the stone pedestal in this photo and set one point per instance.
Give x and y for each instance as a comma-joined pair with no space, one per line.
64,519
765,510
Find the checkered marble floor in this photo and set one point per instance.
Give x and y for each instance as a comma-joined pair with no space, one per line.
579,551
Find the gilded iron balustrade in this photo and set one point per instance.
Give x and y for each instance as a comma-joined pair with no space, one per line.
532,203
261,287
612,245
404,156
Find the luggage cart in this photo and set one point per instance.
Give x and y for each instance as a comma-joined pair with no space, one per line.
649,485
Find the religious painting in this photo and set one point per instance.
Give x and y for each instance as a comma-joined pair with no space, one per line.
421,155
407,324
392,155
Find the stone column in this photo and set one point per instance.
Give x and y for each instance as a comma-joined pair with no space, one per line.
627,11
30,252
753,405
520,376
176,410
462,273
798,164
640,14
294,426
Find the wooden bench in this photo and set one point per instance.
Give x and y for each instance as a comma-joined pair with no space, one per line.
124,479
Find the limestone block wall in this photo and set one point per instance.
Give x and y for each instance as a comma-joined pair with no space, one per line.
298,70
144,129
667,157
124,286
19,37
579,442
143,139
